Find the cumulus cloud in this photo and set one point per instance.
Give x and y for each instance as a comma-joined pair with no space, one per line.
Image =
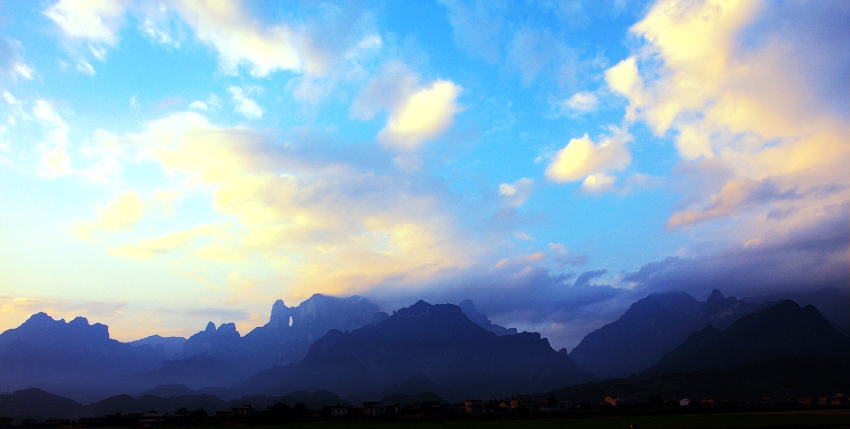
424,115
417,112
748,96
514,194
582,158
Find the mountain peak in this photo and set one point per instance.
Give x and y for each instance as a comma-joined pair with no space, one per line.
40,318
424,309
210,327
715,295
279,311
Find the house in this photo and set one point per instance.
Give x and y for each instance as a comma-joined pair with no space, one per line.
840,399
525,406
153,418
707,402
338,410
684,402
561,406
371,408
612,400
474,406
243,410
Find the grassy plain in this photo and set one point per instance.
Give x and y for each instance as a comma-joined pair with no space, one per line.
761,420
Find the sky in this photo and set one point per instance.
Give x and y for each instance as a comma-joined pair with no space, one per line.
165,163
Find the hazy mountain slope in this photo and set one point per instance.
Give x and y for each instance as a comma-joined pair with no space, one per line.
652,327
783,331
481,320
171,346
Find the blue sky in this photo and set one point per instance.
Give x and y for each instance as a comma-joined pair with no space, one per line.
167,163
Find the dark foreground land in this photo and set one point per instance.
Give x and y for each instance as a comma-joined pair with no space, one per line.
776,419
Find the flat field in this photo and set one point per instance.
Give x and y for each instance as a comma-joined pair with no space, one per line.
786,419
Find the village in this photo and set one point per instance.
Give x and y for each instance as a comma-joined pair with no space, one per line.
471,408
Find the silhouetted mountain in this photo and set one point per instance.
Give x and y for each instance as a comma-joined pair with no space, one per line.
288,334
435,342
482,320
223,342
776,378
833,304
652,327
171,346
63,357
782,331
36,404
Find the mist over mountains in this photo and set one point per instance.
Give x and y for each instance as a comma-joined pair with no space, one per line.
349,347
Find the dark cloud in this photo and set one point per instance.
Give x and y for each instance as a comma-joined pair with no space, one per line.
524,296
807,258
586,276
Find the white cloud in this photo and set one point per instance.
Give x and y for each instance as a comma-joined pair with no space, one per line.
84,67
425,115
514,194
597,183
580,102
239,40
94,21
198,105
313,224
245,105
748,89
581,158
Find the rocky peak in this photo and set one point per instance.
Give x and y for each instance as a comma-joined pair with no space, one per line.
279,312
210,327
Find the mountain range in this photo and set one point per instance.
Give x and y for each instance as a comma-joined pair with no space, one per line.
348,347
652,327
435,343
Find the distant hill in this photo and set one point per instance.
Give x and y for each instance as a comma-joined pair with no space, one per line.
652,327
782,331
36,404
833,304
434,342
171,346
